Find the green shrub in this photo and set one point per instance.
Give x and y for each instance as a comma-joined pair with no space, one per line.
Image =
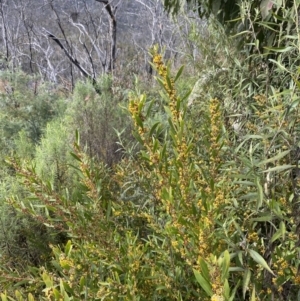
206,209
98,118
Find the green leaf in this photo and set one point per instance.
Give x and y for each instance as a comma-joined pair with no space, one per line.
279,168
185,96
204,284
275,158
282,229
178,102
178,73
225,265
295,103
242,33
153,128
139,121
138,138
68,247
246,280
260,194
3,297
276,235
56,293
82,283
226,290
168,111
260,260
248,183
253,293
66,297
161,82
204,270
232,297
169,83
280,49
142,102
75,156
281,67
265,218
249,196
47,280
236,269
149,109
77,137
161,287
61,286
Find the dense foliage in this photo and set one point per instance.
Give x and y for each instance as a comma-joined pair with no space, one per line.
168,190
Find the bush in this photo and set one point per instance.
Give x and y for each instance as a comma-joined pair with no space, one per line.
98,119
206,209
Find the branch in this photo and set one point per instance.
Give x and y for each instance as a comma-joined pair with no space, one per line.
113,31
74,60
108,8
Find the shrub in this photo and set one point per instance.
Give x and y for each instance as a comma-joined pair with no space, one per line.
205,210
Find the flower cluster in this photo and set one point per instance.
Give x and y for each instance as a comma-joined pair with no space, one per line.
168,83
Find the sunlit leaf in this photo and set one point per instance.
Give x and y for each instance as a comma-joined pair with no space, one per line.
225,265
280,168
204,283
260,260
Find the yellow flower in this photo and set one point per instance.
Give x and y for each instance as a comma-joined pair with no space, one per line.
216,298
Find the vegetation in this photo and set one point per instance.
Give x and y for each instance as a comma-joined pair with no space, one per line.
182,186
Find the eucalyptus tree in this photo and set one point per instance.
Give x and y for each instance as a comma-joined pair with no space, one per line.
259,22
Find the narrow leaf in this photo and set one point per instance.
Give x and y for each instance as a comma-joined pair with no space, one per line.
3,297
149,109
47,280
265,218
68,248
75,156
153,128
232,297
225,265
280,168
282,229
260,194
275,158
253,293
246,280
276,235
204,284
280,66
178,73
226,290
279,49
260,260
204,270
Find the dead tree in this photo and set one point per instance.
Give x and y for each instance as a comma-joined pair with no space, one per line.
107,58
111,11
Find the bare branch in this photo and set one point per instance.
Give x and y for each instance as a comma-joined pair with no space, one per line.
73,60
113,31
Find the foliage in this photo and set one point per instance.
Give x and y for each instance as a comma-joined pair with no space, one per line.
204,208
25,105
52,158
99,118
226,10
259,25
